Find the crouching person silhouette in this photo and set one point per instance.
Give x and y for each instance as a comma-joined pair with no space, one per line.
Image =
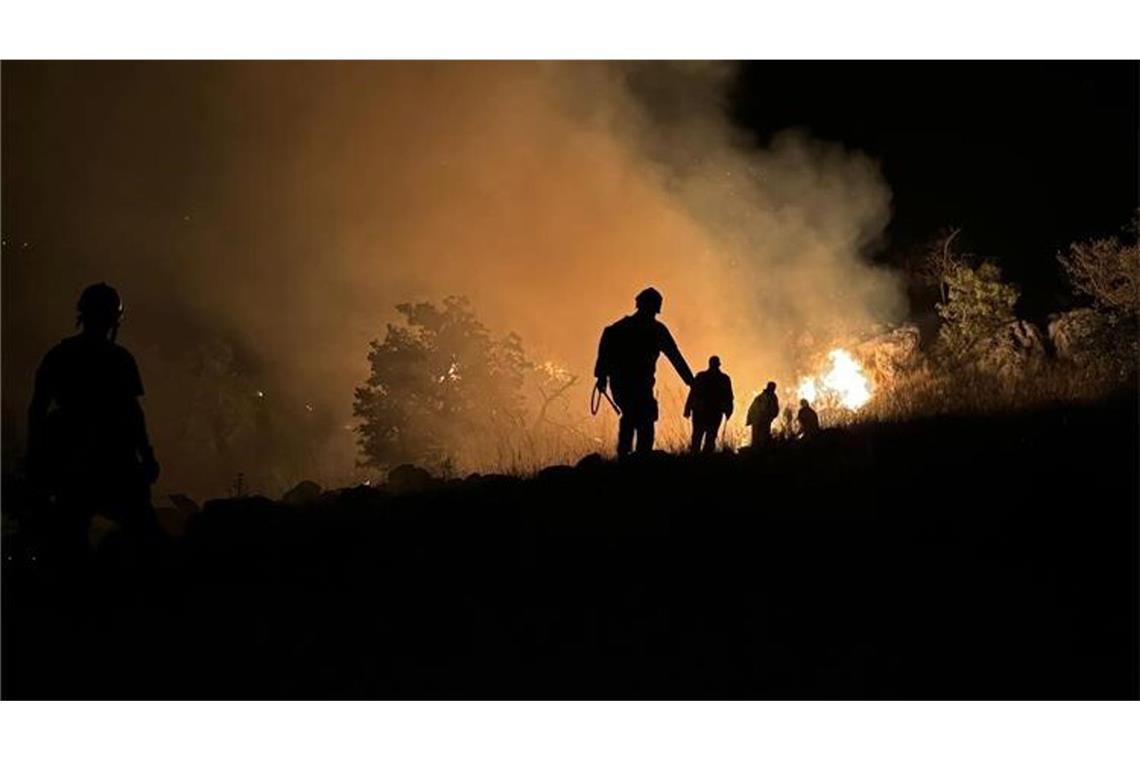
88,449
627,361
808,420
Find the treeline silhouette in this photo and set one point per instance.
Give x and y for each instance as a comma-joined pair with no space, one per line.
951,557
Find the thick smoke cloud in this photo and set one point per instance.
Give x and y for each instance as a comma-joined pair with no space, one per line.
274,213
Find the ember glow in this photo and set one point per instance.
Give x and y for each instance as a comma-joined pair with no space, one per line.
843,384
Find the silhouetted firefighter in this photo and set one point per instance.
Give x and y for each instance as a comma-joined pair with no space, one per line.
627,360
87,439
762,413
709,402
808,420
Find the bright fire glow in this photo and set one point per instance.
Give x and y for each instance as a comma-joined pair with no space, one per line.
843,384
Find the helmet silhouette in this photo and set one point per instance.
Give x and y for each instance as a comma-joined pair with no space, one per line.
650,300
100,304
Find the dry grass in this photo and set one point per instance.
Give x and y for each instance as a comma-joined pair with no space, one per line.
924,392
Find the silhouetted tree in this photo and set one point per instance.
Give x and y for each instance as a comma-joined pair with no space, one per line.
442,390
977,304
1108,271
231,421
551,382
941,262
221,417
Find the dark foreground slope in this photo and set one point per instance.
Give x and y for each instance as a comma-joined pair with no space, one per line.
980,558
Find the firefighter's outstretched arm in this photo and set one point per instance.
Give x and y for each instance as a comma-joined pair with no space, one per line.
669,348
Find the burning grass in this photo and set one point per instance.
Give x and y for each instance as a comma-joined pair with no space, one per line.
844,384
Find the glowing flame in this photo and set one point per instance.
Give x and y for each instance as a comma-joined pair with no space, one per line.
843,384
808,390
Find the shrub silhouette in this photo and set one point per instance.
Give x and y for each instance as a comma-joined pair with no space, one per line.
441,388
977,304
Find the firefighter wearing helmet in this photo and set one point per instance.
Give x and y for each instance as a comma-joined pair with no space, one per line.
88,447
627,363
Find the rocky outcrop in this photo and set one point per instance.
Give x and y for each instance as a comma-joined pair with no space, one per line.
890,354
1078,335
303,493
1014,349
409,477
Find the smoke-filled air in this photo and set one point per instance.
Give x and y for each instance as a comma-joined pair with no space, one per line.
264,220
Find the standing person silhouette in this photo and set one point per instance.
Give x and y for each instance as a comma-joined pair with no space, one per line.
709,403
627,362
87,440
762,413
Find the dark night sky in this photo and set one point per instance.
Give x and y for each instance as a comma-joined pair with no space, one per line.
1026,157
